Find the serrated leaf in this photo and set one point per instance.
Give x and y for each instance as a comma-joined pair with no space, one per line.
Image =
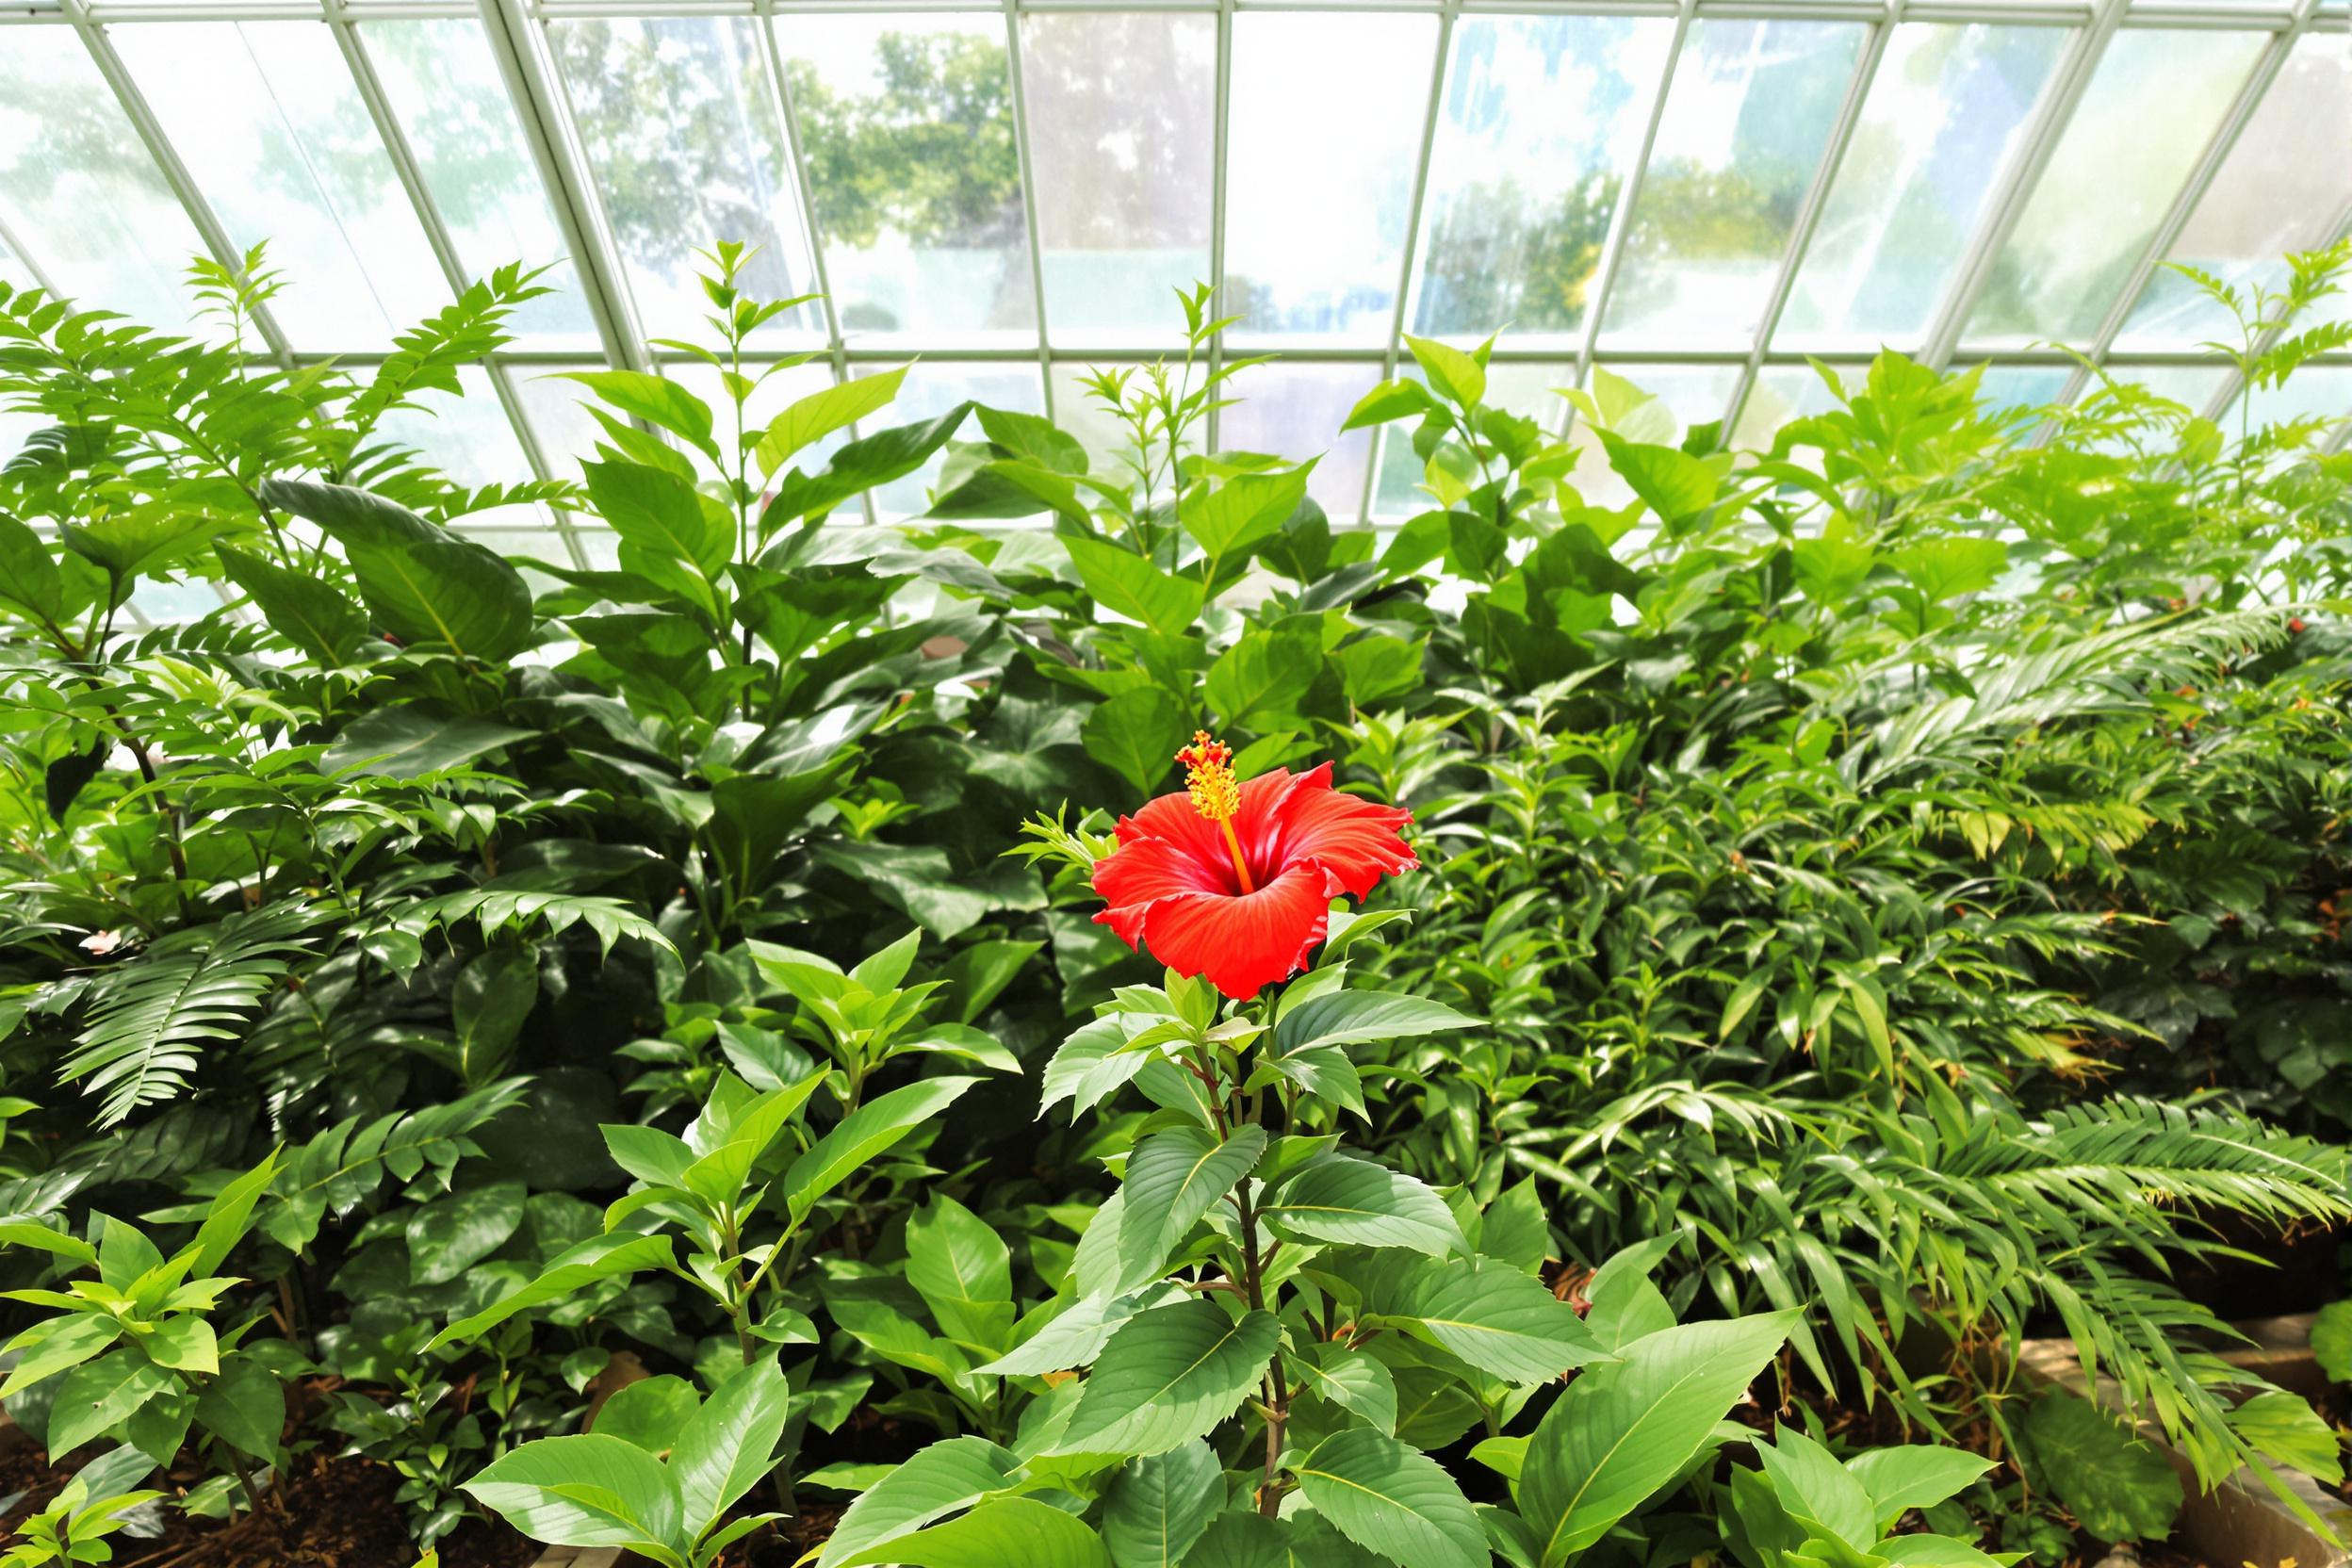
1169,1376
1172,1177
1344,1199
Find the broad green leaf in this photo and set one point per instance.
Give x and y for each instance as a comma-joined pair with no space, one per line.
861,465
1344,1199
1675,484
963,1271
1077,1334
649,1413
244,1406
663,521
228,1216
33,1233
1626,1428
1121,580
936,1481
1305,1540
54,1344
1402,398
2285,1427
729,1446
2331,1340
97,1397
409,740
29,573
1820,1493
1499,1319
597,1258
1264,672
1243,509
1172,1178
657,400
873,1127
1830,571
422,584
1032,439
1906,1476
1160,1504
1135,734
999,1532
308,612
820,413
449,1235
1945,568
586,1491
2119,1485
1347,1018
1354,1380
1454,374
1169,1376
1392,1500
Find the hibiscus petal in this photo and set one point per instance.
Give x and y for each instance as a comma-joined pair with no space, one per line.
1144,869
1246,944
1354,838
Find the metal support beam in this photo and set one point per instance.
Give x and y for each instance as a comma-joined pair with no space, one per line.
1816,199
1028,174
1220,154
2200,180
2060,96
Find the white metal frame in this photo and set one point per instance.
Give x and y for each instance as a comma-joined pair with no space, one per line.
516,33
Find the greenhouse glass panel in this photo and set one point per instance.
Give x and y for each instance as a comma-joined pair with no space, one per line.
557,411
1541,119
2286,183
2006,387
2109,180
270,127
1784,393
2317,392
914,174
469,437
78,189
1942,121
1122,142
458,120
1080,413
1322,146
1295,412
679,119
1747,120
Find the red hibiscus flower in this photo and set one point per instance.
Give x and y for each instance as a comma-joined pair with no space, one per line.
1235,880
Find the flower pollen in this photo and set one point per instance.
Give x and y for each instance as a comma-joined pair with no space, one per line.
1216,792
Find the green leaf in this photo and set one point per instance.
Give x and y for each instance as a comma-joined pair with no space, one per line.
962,1270
244,1407
2119,1485
1625,1430
185,1344
1135,734
1906,1476
1354,1380
597,1258
649,1413
97,1397
1675,484
1169,1376
1264,672
424,585
1344,1198
2284,1427
861,465
586,1491
1347,1018
820,413
1820,1493
410,741
1945,568
1243,509
1033,439
729,1446
1121,580
1172,1178
1401,398
29,573
663,403
1830,571
873,1127
936,1481
2331,1341
302,608
449,1235
1499,1319
1160,1504
1392,1500
664,523
1000,1532
1452,373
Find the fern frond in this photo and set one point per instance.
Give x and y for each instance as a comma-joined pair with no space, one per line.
343,1166
497,910
149,1017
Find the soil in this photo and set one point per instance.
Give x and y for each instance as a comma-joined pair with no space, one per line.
339,1513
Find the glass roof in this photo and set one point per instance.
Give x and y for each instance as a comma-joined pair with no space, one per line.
1699,194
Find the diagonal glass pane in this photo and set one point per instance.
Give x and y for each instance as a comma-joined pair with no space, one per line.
1121,144
1541,118
468,436
557,412
2114,172
272,128
458,118
1295,412
1325,133
1942,121
1747,120
680,122
906,125
2289,176
78,189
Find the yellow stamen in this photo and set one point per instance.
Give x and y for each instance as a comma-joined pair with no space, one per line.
1216,792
